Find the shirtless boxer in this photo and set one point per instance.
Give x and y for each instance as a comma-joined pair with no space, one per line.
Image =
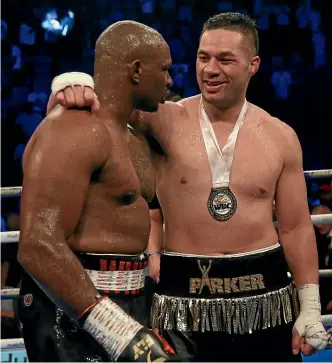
85,218
223,291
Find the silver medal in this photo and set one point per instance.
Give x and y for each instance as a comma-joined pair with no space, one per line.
222,203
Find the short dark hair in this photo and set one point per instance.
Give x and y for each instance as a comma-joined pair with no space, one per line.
237,21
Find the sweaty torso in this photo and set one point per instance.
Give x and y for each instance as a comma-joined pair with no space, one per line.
184,183
115,216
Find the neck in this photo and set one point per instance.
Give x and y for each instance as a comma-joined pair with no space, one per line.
116,101
228,113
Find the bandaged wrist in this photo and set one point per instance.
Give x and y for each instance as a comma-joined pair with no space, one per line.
111,327
309,323
309,300
71,79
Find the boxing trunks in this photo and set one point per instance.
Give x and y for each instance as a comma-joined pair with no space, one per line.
51,336
238,307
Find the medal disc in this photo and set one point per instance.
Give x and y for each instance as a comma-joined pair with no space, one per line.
222,204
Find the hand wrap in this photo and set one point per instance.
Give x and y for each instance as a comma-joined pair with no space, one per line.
309,323
71,79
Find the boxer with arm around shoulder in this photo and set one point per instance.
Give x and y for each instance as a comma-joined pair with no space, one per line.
211,241
87,181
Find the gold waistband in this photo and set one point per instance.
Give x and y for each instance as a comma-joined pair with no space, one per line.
233,315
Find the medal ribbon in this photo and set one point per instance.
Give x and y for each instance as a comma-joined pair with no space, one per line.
220,160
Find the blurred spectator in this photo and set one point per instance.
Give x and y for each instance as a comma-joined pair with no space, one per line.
4,29
282,17
17,57
303,16
263,19
27,34
188,43
38,97
3,225
168,9
281,80
116,15
315,20
29,119
27,39
325,194
177,48
180,82
147,6
324,237
147,11
319,45
11,274
324,246
185,11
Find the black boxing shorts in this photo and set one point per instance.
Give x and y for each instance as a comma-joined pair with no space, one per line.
239,307
51,336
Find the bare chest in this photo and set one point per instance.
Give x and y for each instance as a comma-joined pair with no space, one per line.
130,170
254,170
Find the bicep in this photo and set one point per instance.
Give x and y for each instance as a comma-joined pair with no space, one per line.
291,192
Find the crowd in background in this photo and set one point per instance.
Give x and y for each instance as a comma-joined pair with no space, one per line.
293,83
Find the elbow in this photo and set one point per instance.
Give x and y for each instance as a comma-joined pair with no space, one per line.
25,254
28,251
300,233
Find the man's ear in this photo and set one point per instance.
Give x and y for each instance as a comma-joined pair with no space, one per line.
135,71
254,66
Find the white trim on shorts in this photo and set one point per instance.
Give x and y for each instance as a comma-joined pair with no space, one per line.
234,255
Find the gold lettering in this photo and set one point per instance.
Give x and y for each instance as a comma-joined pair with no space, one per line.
244,283
195,284
160,359
216,285
205,282
149,341
257,282
233,284
137,350
227,286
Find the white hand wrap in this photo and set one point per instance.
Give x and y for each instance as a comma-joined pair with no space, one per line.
309,323
111,327
71,79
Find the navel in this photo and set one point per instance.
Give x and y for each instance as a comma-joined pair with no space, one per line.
184,180
128,198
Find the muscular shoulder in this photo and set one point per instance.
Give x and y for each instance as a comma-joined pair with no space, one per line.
79,122
70,132
277,127
277,130
190,101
